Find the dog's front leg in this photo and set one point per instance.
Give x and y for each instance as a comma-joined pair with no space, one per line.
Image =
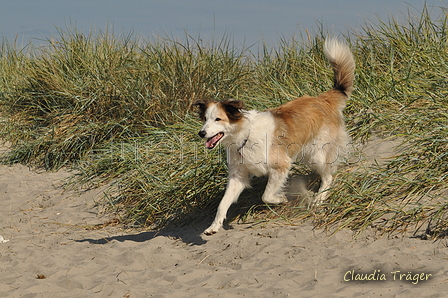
273,191
233,190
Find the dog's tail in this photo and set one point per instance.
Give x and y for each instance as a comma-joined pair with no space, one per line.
341,59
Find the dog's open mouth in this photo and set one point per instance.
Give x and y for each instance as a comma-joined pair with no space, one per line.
213,141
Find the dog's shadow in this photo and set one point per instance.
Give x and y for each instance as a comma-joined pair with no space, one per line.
299,191
188,235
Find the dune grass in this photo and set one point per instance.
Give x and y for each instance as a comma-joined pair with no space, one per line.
117,109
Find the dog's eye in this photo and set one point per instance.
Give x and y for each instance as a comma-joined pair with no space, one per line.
218,119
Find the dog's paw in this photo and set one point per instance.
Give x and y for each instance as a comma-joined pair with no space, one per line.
213,229
275,200
320,199
210,232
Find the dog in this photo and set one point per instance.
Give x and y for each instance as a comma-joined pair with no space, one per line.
259,143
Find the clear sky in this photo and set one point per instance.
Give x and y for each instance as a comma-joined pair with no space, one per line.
247,21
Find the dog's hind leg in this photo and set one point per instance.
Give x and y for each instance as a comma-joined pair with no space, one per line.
273,192
326,179
233,190
325,164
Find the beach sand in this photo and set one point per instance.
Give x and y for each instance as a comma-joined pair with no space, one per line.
53,252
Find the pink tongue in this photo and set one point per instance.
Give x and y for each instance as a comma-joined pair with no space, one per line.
212,141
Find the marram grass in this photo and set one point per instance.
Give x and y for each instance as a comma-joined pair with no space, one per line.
117,109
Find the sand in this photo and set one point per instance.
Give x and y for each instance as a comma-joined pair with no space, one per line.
48,250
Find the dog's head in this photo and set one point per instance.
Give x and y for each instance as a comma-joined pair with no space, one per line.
219,119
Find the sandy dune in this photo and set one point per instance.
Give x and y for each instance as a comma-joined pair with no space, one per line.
52,253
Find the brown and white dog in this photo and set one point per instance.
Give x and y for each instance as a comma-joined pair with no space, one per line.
309,129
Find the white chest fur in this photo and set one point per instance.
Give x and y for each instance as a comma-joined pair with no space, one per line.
249,147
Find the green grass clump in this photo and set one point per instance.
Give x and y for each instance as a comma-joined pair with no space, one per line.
117,109
81,91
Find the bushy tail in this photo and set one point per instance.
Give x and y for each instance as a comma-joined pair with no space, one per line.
341,59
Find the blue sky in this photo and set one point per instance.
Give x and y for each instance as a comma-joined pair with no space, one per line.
247,21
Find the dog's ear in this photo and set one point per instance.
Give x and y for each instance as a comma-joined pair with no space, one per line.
202,104
233,108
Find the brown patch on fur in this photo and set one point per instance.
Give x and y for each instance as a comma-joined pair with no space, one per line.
222,113
299,120
202,105
233,108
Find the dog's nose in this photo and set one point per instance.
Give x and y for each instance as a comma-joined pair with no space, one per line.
202,134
